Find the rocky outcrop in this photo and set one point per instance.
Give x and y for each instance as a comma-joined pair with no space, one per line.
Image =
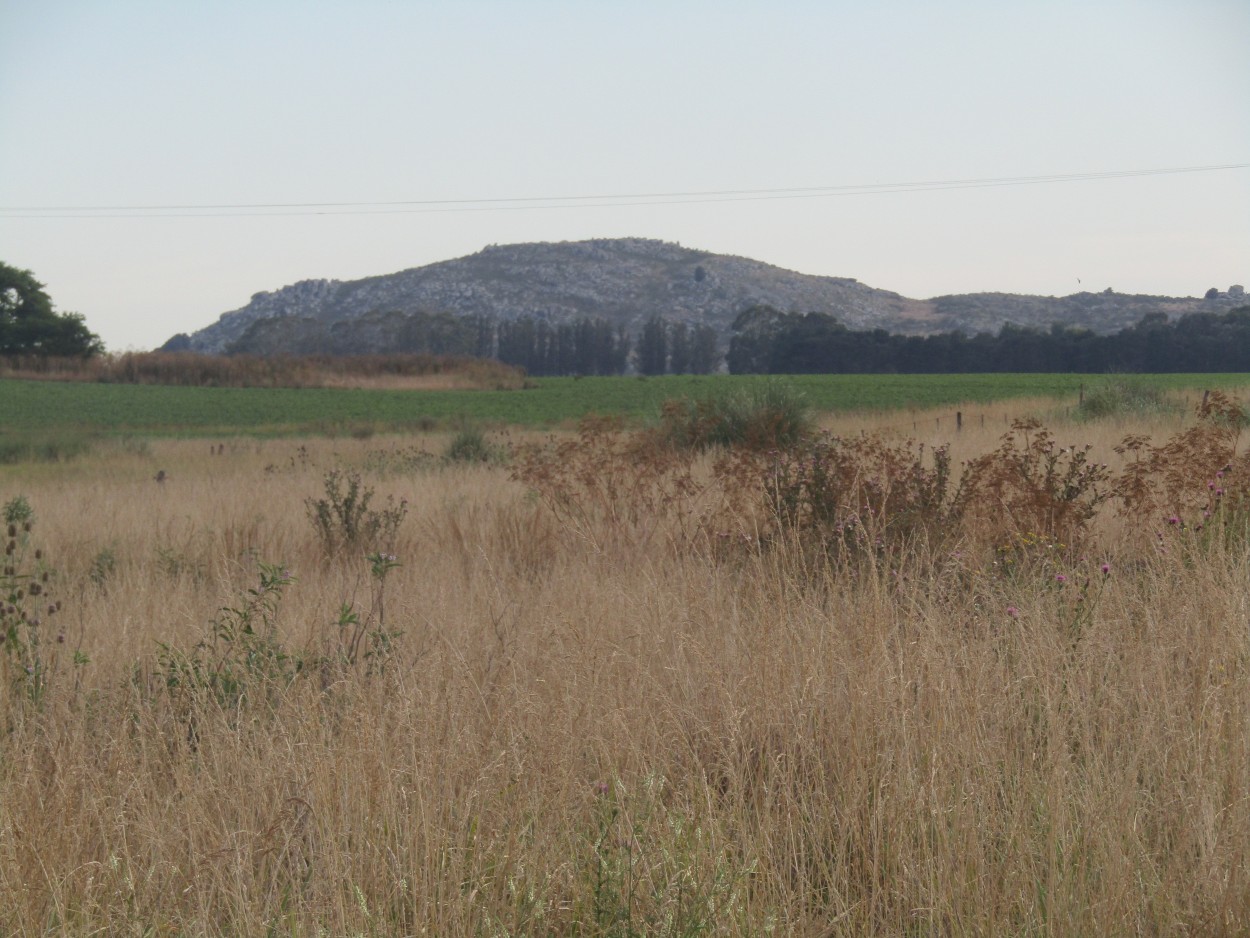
628,280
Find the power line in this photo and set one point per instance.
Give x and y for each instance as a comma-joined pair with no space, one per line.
617,200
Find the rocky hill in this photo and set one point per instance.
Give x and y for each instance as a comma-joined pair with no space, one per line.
628,280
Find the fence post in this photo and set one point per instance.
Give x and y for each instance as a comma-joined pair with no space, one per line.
959,421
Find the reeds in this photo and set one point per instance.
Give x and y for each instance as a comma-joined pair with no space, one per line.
189,369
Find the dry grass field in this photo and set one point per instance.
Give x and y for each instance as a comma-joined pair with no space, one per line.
608,687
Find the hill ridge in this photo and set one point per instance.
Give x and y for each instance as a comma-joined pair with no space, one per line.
627,280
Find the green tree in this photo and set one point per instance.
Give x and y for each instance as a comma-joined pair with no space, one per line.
653,347
679,348
704,354
30,326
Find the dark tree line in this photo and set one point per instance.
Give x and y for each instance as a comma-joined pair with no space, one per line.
585,347
676,348
771,342
596,347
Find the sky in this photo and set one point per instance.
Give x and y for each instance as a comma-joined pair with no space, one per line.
161,162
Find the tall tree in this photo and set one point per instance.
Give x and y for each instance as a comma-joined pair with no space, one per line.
679,348
653,347
30,326
704,350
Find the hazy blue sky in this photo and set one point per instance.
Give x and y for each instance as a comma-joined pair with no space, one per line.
111,105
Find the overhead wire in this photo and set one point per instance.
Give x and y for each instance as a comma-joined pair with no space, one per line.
617,200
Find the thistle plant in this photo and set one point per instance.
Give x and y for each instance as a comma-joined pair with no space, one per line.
343,520
27,604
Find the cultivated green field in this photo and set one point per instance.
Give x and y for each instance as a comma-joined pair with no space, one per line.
54,407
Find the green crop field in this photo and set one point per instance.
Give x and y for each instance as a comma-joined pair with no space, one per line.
28,407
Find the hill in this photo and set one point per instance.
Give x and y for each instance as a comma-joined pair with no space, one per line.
626,281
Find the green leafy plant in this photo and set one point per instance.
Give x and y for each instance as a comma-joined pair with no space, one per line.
640,868
242,658
772,415
470,445
103,566
1124,397
364,637
343,520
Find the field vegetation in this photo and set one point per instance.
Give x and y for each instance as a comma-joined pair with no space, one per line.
187,369
736,672
51,415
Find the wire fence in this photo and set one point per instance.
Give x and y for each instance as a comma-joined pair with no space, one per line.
972,416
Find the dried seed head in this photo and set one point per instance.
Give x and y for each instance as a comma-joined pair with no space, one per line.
39,554
12,530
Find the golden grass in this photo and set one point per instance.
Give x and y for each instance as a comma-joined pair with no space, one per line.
622,741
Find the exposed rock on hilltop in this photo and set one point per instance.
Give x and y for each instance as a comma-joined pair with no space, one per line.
624,280
628,280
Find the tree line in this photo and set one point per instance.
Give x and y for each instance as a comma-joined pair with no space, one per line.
594,346
585,346
767,341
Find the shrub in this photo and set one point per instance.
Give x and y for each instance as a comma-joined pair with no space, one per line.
770,415
344,521
848,497
1191,472
1031,485
1125,397
240,658
103,566
470,445
608,486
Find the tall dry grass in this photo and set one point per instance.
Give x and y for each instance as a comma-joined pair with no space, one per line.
610,727
191,369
